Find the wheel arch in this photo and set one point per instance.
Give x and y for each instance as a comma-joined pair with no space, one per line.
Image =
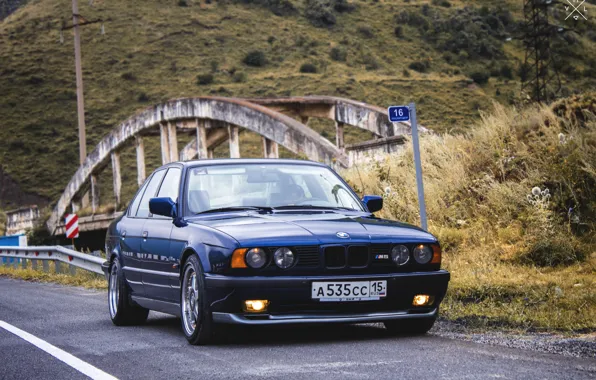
188,252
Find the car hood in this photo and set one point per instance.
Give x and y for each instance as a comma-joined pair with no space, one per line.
305,228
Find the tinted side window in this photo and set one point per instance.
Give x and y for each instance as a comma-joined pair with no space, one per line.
135,203
143,211
170,185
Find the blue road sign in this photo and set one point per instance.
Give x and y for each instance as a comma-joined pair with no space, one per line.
399,113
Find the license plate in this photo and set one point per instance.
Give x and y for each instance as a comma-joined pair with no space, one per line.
349,291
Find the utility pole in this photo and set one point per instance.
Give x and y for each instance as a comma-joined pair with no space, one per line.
77,22
79,75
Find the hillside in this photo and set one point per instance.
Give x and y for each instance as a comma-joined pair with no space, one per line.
381,52
513,204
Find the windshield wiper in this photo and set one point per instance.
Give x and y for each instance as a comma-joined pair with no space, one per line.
296,207
236,208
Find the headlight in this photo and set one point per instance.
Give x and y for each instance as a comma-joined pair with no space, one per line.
400,254
423,254
284,257
256,258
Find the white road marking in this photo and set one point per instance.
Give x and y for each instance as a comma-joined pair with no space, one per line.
65,357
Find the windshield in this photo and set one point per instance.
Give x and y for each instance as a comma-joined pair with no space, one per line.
266,185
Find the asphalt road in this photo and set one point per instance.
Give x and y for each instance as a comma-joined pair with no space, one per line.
76,321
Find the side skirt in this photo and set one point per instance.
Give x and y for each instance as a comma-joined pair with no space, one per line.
156,305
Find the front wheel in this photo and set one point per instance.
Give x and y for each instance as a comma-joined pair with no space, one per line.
410,326
122,312
197,322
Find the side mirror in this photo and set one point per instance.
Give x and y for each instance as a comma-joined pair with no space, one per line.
163,206
373,202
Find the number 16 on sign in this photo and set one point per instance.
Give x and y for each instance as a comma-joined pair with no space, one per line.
405,113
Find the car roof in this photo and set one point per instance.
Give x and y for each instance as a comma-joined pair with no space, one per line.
240,161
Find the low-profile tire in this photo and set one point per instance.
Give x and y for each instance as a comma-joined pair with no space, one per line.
122,312
410,326
197,321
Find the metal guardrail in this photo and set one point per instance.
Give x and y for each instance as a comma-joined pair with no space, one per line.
13,256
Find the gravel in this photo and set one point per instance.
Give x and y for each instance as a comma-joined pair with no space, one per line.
576,345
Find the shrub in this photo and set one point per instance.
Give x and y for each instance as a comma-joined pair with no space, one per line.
239,77
338,54
507,72
342,6
553,251
371,63
479,77
214,66
143,97
255,58
320,13
419,66
203,79
366,31
398,31
467,29
278,7
406,73
442,3
128,76
308,68
182,3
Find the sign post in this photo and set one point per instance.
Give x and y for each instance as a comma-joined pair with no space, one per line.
405,113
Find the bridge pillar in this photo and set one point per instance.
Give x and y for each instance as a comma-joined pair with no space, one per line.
210,153
270,148
339,135
165,144
94,193
202,152
234,141
116,177
173,141
140,148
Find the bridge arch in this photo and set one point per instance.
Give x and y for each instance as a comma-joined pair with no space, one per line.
215,120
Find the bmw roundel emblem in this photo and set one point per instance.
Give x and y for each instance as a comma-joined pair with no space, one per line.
342,235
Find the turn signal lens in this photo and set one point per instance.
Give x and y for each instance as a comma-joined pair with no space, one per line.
436,254
423,300
238,258
255,306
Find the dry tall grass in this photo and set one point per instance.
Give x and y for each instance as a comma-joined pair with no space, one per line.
513,204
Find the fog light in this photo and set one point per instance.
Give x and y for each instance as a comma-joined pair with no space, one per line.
255,306
423,300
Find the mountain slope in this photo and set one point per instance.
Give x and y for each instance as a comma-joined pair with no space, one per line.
380,52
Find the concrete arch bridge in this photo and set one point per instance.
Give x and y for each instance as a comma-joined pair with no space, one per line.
212,121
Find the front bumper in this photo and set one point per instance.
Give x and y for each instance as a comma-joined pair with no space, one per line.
268,319
291,302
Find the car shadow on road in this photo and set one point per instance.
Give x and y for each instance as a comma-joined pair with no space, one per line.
230,335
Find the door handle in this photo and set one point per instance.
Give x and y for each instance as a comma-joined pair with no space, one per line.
145,234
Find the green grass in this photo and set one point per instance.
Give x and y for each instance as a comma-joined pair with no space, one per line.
153,51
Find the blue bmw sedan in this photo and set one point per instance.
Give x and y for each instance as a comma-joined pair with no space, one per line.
263,242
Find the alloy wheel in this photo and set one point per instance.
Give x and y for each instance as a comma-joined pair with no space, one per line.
190,300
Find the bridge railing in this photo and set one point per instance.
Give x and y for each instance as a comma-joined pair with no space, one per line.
15,256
